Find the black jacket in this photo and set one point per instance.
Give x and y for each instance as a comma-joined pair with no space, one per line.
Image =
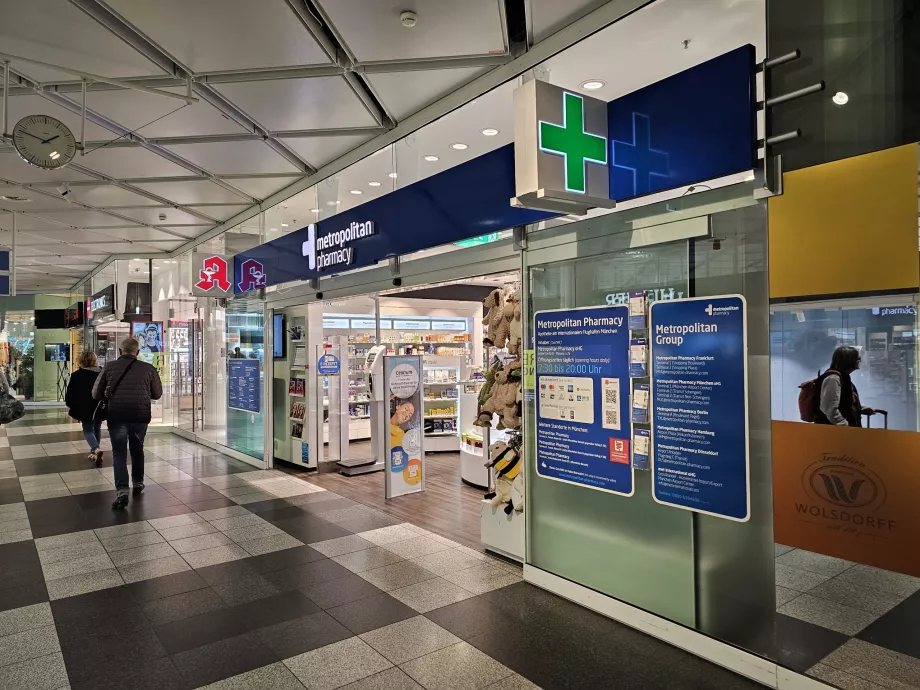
79,398
131,402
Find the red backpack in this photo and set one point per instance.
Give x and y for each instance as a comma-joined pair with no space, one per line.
810,397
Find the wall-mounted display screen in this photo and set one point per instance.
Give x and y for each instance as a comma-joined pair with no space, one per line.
279,337
150,337
50,318
57,352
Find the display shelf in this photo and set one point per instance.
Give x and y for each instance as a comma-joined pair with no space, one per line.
434,434
439,399
440,416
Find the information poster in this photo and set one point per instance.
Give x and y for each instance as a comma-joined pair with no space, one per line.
245,390
405,456
582,381
699,406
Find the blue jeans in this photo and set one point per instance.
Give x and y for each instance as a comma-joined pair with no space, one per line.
92,432
124,436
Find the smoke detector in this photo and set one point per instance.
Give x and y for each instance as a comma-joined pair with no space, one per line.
408,19
162,217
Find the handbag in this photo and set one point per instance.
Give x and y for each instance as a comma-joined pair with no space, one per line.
10,408
102,409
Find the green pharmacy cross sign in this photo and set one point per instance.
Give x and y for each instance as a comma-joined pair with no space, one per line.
573,143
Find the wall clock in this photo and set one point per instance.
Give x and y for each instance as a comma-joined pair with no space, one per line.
44,142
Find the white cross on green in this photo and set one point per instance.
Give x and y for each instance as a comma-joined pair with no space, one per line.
573,143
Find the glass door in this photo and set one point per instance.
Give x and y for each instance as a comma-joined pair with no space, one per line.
185,394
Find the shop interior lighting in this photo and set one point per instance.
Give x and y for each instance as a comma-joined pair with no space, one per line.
314,210
459,146
392,176
840,98
285,225
373,184
593,84
431,159
356,191
489,132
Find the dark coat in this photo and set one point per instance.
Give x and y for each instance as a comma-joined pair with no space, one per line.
131,402
79,398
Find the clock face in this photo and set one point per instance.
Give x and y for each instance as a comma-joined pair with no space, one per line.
44,142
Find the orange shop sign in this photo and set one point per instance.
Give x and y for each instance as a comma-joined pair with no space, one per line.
848,492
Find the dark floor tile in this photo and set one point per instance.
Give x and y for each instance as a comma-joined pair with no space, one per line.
273,504
307,574
61,507
12,578
219,660
35,592
52,529
153,496
310,534
897,629
160,674
226,572
95,612
9,484
221,502
799,645
166,586
367,522
286,558
342,590
291,513
469,617
19,554
196,494
303,634
325,506
182,484
8,496
245,589
28,467
371,613
6,454
34,439
181,606
123,641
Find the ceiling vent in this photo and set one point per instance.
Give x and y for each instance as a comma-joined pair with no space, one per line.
15,199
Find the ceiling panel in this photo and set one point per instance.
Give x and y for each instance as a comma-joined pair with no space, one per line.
193,192
373,31
318,151
262,187
159,116
130,162
86,219
319,103
108,195
222,212
22,106
173,216
235,158
130,249
250,34
36,202
404,93
57,32
549,16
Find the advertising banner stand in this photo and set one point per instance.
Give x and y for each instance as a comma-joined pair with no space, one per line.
405,452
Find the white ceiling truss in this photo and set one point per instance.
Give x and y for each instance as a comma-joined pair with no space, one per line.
290,92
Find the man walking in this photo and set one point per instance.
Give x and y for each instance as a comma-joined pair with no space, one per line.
129,385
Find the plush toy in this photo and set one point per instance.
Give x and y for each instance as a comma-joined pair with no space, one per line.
495,322
504,394
505,462
483,416
517,495
514,324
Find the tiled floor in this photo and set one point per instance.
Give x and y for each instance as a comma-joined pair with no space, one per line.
856,626
222,576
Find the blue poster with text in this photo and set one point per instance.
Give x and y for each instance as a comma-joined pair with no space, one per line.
245,390
581,361
699,405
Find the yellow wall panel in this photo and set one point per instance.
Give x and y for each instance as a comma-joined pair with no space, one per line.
847,226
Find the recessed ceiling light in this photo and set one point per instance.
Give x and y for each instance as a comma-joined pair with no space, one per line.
273,229
593,84
356,191
431,159
392,176
840,98
331,203
373,184
314,210
285,225
489,132
459,146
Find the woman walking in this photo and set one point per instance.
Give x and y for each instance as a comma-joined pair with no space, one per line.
82,406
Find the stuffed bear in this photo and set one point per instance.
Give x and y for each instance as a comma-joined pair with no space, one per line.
495,322
517,495
514,324
504,394
506,466
483,416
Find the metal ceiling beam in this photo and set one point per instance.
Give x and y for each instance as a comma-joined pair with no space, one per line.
162,180
458,62
575,32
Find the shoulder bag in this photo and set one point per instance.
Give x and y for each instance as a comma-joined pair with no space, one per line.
102,409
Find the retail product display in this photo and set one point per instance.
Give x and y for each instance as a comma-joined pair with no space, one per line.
297,430
502,397
505,461
298,411
495,321
514,323
297,386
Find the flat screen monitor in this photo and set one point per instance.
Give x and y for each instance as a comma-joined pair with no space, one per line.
149,335
279,339
50,318
56,352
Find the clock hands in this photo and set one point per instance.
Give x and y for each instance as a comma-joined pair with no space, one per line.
48,141
33,136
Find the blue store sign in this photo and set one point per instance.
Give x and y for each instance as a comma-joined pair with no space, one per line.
582,385
328,365
244,385
699,405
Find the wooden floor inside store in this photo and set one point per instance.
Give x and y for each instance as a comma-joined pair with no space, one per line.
446,506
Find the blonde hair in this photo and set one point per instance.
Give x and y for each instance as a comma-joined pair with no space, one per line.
88,359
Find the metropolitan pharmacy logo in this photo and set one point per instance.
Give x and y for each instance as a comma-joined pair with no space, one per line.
570,140
252,276
334,248
721,311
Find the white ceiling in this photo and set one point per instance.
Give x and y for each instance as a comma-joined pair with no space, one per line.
273,106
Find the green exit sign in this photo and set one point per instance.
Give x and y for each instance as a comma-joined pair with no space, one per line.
482,239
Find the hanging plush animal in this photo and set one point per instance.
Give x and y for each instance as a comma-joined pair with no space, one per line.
496,325
514,323
505,462
504,396
483,416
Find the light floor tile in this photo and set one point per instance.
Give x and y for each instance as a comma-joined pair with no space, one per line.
409,639
482,578
513,682
884,580
431,594
68,553
391,679
367,559
799,580
83,584
840,679
123,530
458,667
28,644
221,513
25,618
341,545
784,596
415,547
140,554
213,556
184,531
875,664
449,561
263,545
828,614
865,598
262,531
814,562
201,542
131,541
14,536
337,664
161,524
41,673
62,540
77,566
396,576
13,508
274,677
244,519
147,570
257,497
